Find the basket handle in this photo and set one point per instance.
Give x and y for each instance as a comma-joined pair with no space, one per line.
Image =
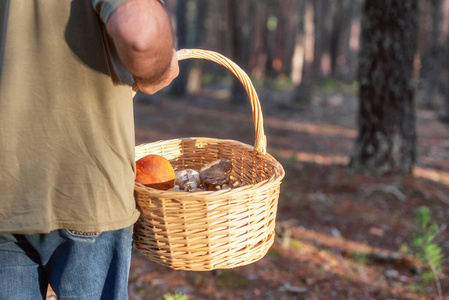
260,144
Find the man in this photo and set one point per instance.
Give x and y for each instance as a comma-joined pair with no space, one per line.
67,140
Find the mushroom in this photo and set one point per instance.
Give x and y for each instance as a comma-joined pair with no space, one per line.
174,189
234,182
187,180
216,174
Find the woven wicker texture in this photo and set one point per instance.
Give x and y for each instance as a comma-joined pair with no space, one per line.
211,229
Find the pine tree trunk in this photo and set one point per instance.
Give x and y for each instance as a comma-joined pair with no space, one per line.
179,85
241,20
443,113
259,45
302,92
270,38
299,49
321,66
194,84
431,56
386,143
342,54
336,35
444,110
353,40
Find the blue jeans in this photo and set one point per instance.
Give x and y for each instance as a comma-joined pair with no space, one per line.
77,265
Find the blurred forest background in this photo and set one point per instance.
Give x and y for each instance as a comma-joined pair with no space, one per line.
355,96
302,42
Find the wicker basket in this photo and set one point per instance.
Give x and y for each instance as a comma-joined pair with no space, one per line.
212,229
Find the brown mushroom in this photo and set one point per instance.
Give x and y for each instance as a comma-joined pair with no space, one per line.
216,174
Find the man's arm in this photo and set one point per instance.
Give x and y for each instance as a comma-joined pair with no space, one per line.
143,37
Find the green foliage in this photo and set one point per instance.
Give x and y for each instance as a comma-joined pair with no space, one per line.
280,82
328,85
426,249
404,249
296,244
360,258
293,157
231,280
209,78
176,296
272,23
274,253
331,86
416,288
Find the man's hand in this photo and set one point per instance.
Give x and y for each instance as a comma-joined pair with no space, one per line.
143,37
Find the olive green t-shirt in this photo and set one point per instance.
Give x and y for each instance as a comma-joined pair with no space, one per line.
66,119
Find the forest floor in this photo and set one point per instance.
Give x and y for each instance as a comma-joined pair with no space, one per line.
339,234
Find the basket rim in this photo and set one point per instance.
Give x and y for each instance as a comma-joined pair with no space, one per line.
250,147
274,179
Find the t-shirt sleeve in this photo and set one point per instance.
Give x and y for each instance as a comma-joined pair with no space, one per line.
105,8
119,73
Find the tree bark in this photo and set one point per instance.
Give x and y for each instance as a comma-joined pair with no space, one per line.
241,21
270,37
196,68
353,41
443,114
336,35
386,143
444,79
343,56
431,56
323,10
179,85
444,110
284,37
302,92
258,58
298,56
